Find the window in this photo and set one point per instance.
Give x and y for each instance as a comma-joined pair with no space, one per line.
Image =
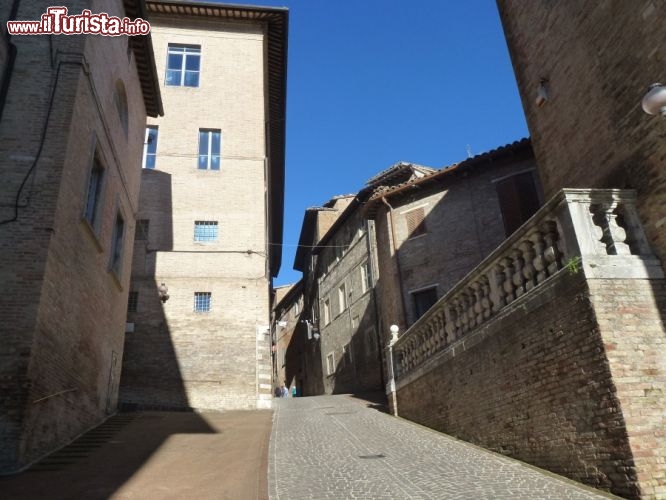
371,339
365,277
423,300
133,302
205,230
415,222
142,226
342,297
117,244
354,322
327,311
94,192
209,149
518,198
347,354
120,99
330,363
183,65
202,301
150,147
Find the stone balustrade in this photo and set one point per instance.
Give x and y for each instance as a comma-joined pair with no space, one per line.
595,232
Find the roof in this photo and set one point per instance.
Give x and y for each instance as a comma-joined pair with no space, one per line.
516,148
398,170
276,20
142,47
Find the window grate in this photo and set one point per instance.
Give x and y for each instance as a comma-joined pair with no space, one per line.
205,230
133,302
202,301
415,222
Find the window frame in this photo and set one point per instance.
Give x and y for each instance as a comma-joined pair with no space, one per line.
117,246
183,65
327,311
420,228
342,297
414,293
365,277
92,216
146,147
330,363
209,153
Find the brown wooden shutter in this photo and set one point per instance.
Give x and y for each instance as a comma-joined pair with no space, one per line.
415,222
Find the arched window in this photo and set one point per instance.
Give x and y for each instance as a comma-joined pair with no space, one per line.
120,98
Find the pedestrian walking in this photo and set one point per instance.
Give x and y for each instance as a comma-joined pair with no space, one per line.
285,392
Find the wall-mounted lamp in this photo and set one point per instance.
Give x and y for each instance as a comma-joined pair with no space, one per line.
654,102
542,93
163,292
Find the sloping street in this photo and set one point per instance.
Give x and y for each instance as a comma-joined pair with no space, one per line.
325,447
339,447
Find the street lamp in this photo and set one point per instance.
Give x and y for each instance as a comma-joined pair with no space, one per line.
654,102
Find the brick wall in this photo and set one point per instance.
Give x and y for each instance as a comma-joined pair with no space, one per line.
61,307
569,378
220,359
463,225
598,58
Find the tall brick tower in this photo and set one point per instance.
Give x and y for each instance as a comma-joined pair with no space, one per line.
210,214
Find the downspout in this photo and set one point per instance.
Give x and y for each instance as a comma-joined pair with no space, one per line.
4,85
375,303
397,261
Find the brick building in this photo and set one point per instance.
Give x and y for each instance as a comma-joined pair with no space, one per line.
210,211
73,111
594,62
287,346
432,230
551,349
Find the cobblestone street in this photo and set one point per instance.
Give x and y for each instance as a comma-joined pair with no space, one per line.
338,447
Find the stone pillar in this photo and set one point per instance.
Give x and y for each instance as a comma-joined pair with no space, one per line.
390,385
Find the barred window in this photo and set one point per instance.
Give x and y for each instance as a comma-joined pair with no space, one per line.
133,302
205,230
202,301
142,226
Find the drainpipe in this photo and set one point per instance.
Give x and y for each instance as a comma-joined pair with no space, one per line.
375,302
4,85
397,261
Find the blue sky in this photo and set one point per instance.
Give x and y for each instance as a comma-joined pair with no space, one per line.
374,82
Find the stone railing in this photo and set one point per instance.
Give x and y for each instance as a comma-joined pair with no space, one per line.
596,232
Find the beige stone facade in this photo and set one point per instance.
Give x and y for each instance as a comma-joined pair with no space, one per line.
70,152
216,357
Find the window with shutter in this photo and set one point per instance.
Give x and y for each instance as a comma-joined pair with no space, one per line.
416,225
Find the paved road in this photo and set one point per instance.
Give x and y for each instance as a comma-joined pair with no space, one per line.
156,456
336,447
